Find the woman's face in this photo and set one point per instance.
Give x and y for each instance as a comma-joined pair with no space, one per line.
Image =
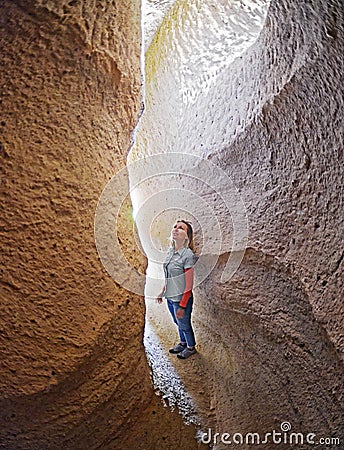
180,231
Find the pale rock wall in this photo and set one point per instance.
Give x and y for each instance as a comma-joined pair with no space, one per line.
71,338
273,122
284,308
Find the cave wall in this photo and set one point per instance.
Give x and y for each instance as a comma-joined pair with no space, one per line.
71,98
281,316
71,338
272,121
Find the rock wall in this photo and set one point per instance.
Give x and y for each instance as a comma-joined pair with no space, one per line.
272,121
71,338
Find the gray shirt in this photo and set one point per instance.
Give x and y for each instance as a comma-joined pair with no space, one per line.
174,266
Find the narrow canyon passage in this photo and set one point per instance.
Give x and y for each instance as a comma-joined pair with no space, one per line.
242,134
234,122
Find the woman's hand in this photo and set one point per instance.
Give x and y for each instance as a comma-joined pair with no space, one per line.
159,297
180,313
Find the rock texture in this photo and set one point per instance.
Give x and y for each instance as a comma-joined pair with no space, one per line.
272,120
73,368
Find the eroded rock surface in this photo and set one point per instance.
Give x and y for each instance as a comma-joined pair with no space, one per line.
272,121
73,368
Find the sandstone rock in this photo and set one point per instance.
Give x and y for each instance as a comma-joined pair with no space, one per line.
272,120
73,368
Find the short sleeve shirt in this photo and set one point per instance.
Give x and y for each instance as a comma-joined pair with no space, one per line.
174,266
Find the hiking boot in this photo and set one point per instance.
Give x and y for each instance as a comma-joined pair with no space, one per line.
186,353
177,348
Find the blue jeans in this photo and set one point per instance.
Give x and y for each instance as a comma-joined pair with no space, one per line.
185,330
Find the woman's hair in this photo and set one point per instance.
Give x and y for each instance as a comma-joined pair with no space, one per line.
189,233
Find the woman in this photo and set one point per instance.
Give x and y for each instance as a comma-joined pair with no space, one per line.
179,274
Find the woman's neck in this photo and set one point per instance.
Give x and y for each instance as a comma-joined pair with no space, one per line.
178,245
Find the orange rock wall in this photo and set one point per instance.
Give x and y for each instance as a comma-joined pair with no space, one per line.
70,337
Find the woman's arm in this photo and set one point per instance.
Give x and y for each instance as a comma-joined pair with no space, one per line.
159,297
189,276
